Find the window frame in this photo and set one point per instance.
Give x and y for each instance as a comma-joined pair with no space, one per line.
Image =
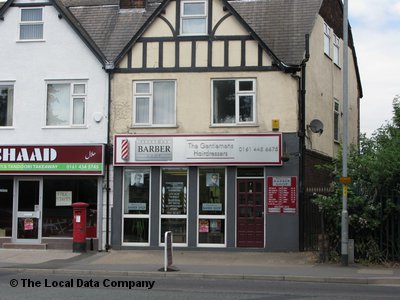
201,216
336,124
173,216
238,94
327,40
145,216
336,49
150,96
26,23
194,16
9,85
72,96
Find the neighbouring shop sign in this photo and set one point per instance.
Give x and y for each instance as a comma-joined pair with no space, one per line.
49,159
218,149
281,194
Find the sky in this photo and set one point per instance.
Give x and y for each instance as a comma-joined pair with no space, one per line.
376,32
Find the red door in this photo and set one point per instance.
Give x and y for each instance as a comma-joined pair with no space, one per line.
250,213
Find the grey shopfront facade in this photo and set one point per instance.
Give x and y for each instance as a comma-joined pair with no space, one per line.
151,197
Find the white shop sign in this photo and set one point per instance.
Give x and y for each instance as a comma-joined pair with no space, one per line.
222,149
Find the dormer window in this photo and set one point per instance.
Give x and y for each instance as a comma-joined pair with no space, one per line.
31,25
194,17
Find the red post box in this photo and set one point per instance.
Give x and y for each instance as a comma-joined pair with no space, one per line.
79,226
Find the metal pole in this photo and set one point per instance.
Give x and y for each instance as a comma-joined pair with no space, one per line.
345,214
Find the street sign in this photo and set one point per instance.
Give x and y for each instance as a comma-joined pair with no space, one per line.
345,180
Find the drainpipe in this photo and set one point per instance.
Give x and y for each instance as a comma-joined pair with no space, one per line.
109,68
302,134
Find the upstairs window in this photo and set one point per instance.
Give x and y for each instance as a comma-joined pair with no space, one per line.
327,39
31,25
234,101
66,104
193,17
154,103
336,121
6,105
336,49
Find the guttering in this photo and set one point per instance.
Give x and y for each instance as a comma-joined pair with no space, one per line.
302,132
109,67
4,8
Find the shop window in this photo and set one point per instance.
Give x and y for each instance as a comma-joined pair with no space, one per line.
174,204
178,228
136,230
211,223
58,195
212,192
234,101
6,207
6,105
136,208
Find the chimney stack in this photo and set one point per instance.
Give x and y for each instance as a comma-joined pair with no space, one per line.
132,4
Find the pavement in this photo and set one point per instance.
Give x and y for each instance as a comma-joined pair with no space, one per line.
293,266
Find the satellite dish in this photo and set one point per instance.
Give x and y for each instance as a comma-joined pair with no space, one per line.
316,126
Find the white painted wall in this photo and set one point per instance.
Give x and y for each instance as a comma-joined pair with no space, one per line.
324,84
61,56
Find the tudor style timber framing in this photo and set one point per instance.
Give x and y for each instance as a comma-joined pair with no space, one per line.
217,51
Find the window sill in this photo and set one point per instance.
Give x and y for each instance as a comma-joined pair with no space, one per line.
337,66
192,34
204,245
138,244
327,56
30,41
65,127
7,128
153,126
233,125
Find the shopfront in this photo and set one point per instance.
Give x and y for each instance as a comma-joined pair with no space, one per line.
39,183
209,190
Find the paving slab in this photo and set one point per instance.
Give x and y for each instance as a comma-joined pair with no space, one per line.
293,266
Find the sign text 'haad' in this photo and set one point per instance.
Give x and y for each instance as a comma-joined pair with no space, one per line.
25,155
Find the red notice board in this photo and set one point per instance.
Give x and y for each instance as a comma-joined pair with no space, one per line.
281,194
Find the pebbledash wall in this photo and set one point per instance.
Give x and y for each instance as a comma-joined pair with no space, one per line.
166,183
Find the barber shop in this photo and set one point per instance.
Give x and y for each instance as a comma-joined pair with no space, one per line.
38,185
211,191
